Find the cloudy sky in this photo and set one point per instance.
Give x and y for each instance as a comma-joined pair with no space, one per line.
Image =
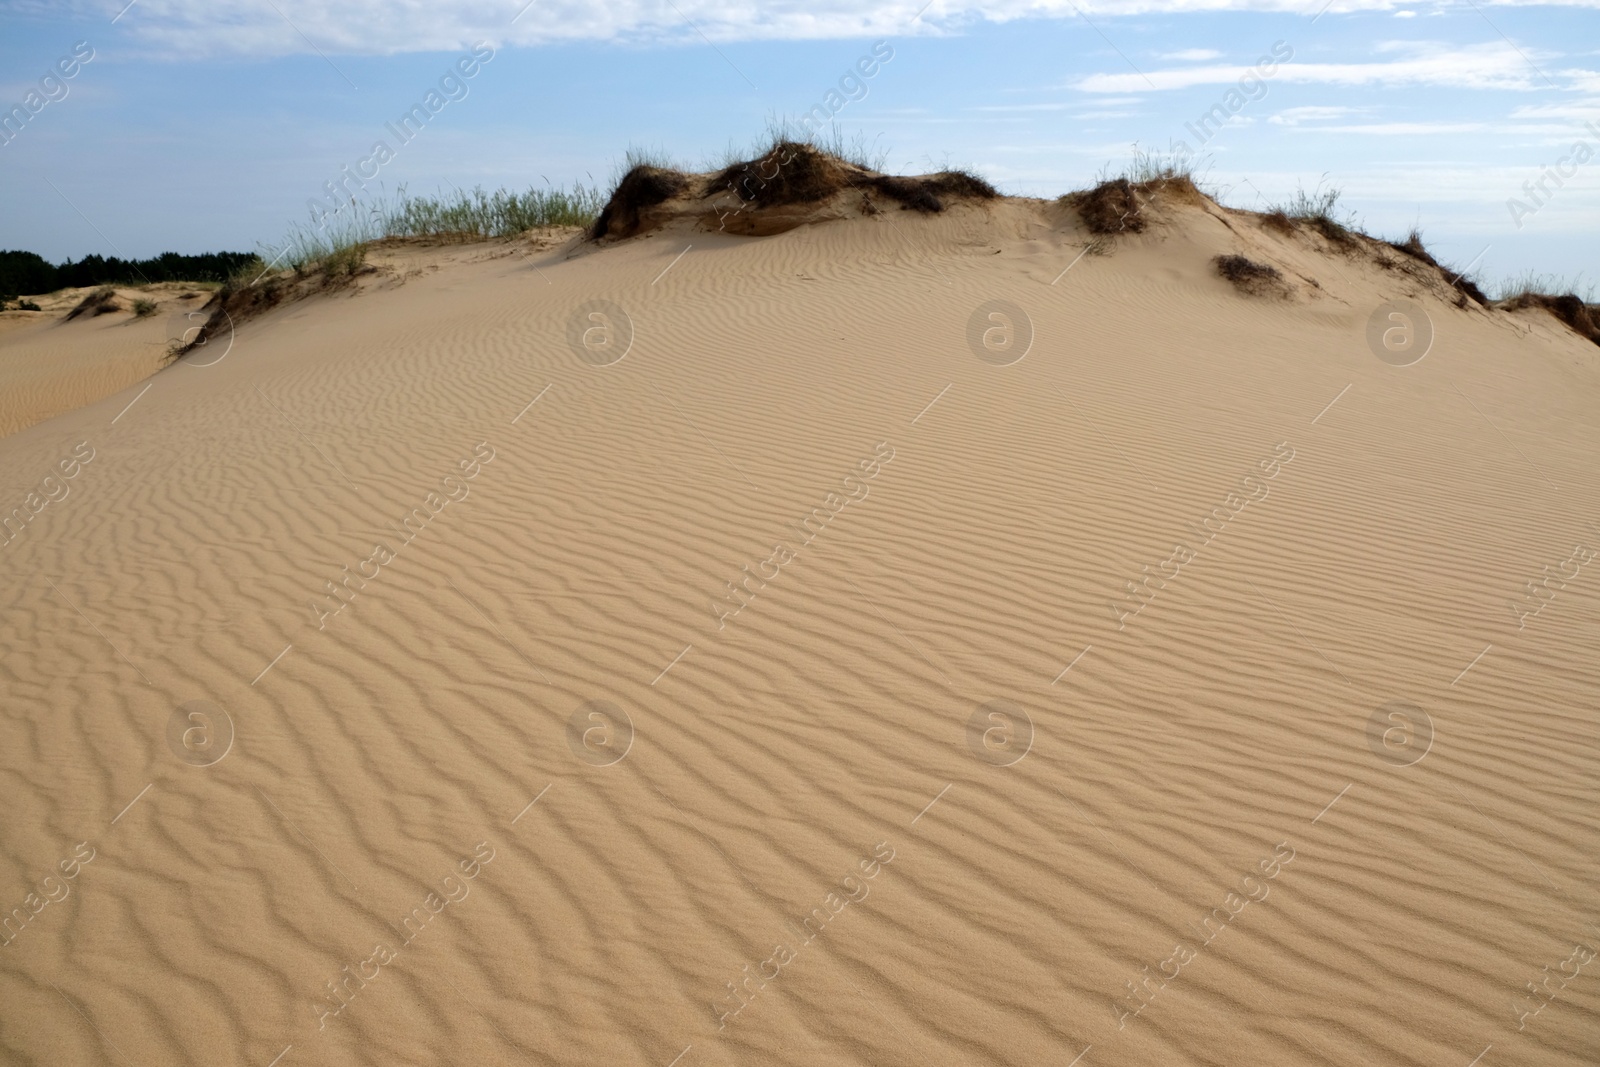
206,124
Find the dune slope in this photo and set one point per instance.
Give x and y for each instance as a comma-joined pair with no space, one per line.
50,364
905,639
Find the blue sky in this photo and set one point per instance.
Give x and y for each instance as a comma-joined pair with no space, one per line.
205,125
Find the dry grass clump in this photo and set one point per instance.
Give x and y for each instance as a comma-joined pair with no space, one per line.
255,288
342,264
794,172
644,186
789,172
1111,207
143,309
785,173
249,291
1584,319
909,193
1318,210
928,194
952,184
1333,230
103,301
1248,276
1413,247
1464,286
1278,219
1117,205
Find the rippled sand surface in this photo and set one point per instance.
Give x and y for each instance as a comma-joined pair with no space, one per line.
49,366
898,641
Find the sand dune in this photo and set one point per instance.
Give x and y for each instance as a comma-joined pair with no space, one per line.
601,650
49,366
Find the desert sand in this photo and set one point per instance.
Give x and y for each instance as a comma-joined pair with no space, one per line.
712,649
49,365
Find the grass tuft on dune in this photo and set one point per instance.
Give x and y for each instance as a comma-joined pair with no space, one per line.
459,215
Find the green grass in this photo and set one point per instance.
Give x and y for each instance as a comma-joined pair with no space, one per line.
499,214
345,262
1154,165
646,156
244,274
307,244
1320,207
478,214
1157,166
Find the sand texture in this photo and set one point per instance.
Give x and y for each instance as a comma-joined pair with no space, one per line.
707,650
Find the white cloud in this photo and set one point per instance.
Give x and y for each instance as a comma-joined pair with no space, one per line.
1489,66
1409,129
1428,129
1193,55
1024,107
368,27
1294,116
1076,108
1586,81
1579,111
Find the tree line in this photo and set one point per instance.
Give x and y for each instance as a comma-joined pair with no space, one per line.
25,273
